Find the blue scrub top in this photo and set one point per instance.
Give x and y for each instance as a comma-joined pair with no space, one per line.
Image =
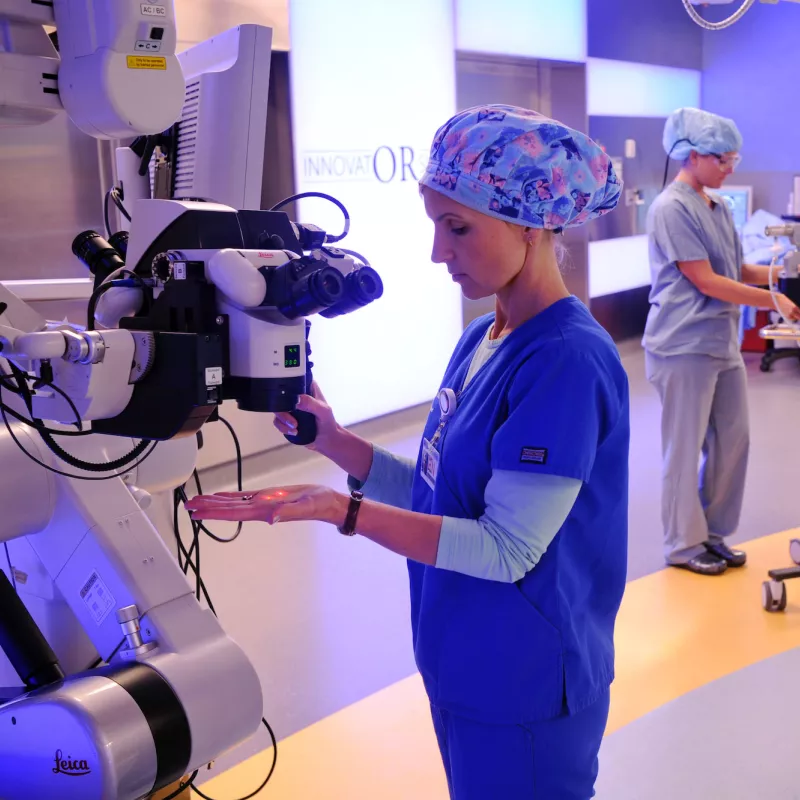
552,400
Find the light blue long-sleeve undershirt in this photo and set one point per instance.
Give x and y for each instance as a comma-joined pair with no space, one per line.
524,512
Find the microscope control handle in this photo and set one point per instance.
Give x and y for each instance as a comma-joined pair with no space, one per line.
306,428
306,423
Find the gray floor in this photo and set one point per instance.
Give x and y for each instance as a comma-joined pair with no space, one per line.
325,619
682,750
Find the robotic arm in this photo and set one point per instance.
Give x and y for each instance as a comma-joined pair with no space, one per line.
203,303
216,318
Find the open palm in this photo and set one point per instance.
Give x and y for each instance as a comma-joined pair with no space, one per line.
274,504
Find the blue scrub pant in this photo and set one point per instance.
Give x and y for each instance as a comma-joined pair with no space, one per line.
705,413
551,760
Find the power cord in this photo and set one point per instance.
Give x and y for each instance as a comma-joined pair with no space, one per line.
116,283
179,496
328,239
110,466
37,425
357,255
66,474
114,194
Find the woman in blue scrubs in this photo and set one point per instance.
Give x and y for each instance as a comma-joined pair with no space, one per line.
514,516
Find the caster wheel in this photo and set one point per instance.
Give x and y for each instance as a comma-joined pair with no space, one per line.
765,367
773,596
794,551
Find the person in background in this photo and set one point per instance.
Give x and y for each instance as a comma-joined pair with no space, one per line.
514,516
691,342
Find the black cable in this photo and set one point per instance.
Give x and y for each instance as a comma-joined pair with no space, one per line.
201,525
78,420
109,466
196,529
324,196
117,198
22,386
105,214
113,194
179,495
47,437
95,296
112,284
182,787
669,156
22,378
238,448
188,562
196,547
357,255
66,474
10,568
269,774
666,174
176,527
38,426
92,466
239,479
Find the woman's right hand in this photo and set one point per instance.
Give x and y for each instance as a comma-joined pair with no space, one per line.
789,311
327,427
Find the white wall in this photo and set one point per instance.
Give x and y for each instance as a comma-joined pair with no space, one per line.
371,84
199,20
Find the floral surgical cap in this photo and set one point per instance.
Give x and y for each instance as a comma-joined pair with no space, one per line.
521,167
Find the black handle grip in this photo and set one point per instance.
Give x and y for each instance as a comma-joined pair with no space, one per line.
306,423
306,428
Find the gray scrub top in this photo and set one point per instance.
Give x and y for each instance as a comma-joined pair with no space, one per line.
681,226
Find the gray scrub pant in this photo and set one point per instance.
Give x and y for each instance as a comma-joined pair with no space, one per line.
704,402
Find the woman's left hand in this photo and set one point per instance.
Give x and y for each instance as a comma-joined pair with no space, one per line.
275,504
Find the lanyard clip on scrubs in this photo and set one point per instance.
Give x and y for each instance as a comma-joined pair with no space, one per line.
429,466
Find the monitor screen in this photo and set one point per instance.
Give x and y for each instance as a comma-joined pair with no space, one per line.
740,201
221,136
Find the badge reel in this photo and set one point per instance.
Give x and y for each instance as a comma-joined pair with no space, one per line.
429,467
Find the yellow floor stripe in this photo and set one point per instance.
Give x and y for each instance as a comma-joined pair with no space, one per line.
676,632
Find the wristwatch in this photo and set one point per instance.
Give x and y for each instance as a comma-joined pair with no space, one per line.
349,526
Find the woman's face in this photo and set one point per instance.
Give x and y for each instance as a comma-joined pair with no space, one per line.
483,254
713,171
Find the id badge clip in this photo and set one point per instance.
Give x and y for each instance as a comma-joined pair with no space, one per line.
429,466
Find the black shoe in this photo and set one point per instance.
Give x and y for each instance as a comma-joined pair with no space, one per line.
705,564
733,558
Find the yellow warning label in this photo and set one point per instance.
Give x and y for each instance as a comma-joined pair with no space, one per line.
147,62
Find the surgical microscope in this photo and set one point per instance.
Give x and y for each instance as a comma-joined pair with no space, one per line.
201,303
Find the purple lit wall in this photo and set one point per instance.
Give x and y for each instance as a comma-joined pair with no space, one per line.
647,31
750,73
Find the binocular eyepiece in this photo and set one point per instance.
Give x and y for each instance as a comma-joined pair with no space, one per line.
305,286
100,256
